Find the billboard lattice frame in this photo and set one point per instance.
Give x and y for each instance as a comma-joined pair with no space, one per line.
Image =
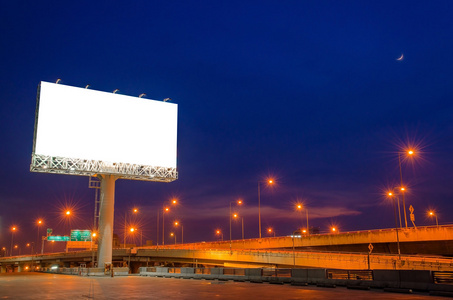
83,167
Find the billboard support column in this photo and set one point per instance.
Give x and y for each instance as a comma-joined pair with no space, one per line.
106,210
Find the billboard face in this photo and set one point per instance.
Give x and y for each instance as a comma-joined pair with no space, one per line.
116,132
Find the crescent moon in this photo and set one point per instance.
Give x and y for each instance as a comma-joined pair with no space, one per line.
401,57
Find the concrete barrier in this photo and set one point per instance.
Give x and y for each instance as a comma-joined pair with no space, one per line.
386,279
253,272
187,271
216,271
408,279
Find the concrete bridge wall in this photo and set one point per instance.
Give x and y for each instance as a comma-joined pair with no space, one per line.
422,240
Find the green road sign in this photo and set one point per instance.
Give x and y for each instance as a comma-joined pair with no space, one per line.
80,235
58,238
49,231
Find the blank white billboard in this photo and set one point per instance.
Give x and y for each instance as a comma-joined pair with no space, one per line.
91,125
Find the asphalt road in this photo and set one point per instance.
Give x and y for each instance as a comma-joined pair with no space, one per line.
51,286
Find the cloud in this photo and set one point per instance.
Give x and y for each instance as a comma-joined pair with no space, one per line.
214,211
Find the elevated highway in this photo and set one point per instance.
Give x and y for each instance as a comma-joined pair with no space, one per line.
430,240
294,251
136,258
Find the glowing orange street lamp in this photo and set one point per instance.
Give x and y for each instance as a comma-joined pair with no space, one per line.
300,207
219,233
134,211
409,152
269,182
165,209
31,249
93,236
433,214
38,223
270,231
334,229
172,234
238,202
390,194
13,229
176,224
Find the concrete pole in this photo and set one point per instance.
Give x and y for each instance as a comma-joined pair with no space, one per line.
259,210
106,210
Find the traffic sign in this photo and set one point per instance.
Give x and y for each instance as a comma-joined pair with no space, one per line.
411,209
58,238
49,231
80,235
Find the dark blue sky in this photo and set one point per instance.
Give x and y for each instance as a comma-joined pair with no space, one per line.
309,92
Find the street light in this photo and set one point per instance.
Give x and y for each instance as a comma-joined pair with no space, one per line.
13,229
300,207
31,249
390,194
93,236
135,211
238,202
165,209
5,251
177,223
269,182
172,234
219,233
433,214
409,153
38,223
270,231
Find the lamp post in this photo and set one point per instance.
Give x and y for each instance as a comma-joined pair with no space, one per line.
13,229
164,210
270,231
93,236
5,251
396,222
172,234
235,215
410,153
269,181
39,223
132,230
219,233
135,211
242,221
300,207
177,223
433,214
31,249
238,202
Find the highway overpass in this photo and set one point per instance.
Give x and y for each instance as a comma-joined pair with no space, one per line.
431,240
299,251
